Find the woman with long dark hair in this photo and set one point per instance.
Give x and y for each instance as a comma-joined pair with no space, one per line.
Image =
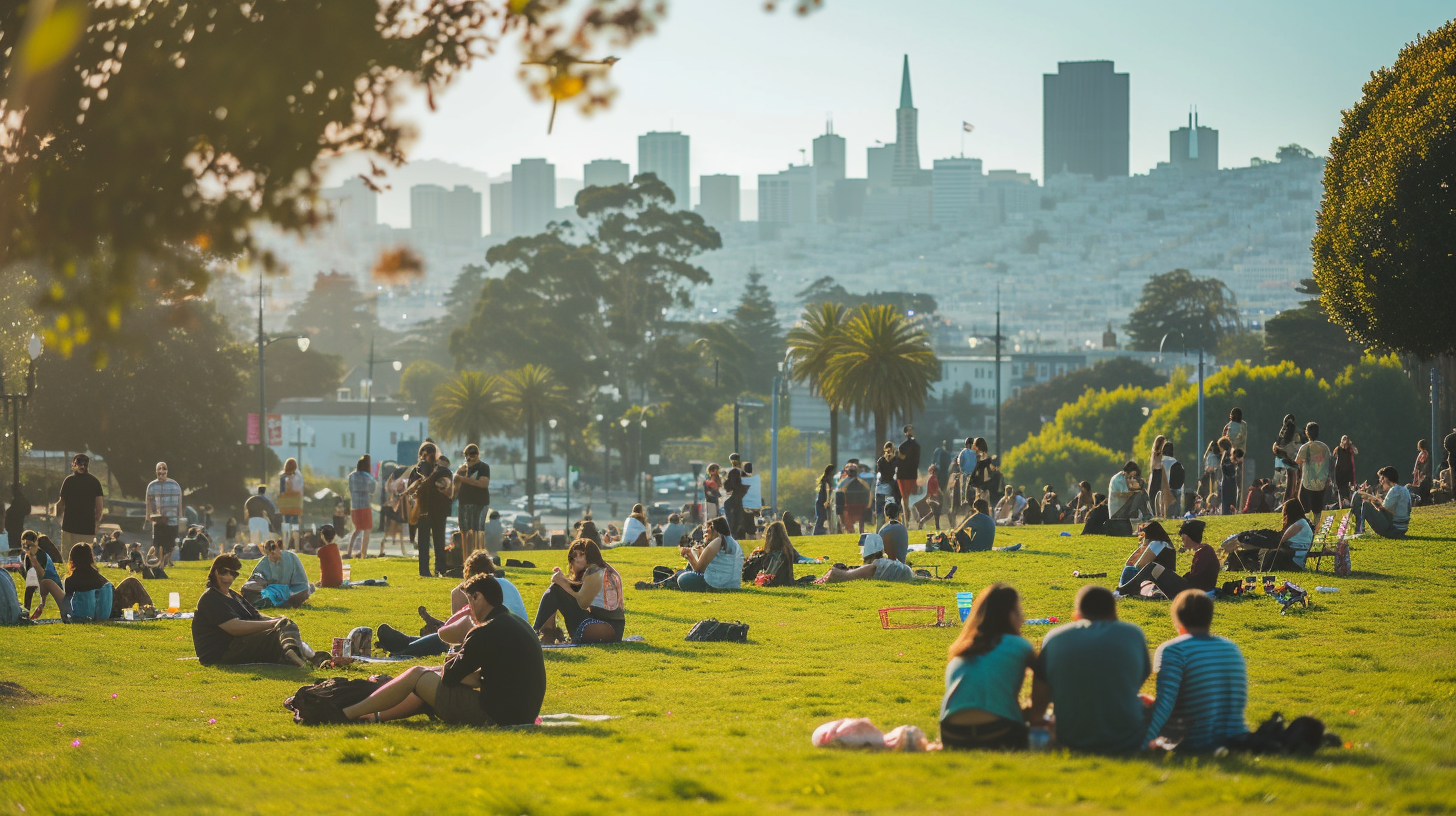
988,665
822,499
1286,450
228,631
589,599
1270,550
1157,481
1155,546
780,556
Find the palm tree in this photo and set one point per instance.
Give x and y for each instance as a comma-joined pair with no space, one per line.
468,406
881,365
532,394
811,344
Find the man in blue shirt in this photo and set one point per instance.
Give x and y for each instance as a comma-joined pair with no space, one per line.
1390,517
1203,683
978,533
1090,670
894,534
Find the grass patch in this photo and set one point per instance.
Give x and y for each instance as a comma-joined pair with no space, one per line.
724,728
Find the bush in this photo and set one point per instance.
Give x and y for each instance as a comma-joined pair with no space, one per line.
1061,460
1112,419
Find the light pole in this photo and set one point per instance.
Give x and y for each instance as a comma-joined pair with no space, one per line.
606,460
566,457
773,488
14,402
369,404
998,339
264,341
626,438
1197,448
739,405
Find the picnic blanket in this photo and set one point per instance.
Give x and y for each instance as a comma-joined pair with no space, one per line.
558,720
631,639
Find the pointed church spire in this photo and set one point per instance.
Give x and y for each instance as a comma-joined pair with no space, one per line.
905,101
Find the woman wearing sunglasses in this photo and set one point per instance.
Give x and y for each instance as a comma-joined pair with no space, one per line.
227,630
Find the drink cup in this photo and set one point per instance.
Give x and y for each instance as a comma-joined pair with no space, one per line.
963,604
174,602
338,650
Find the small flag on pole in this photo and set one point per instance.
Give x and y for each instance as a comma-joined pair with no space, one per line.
967,127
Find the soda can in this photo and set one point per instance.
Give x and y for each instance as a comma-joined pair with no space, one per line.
338,650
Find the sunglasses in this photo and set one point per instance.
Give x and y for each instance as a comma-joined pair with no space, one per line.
226,571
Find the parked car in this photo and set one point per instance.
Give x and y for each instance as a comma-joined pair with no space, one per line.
520,522
130,516
658,512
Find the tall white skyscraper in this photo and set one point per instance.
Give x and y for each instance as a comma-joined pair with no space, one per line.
604,173
719,194
666,155
956,186
500,209
533,196
440,216
788,197
354,205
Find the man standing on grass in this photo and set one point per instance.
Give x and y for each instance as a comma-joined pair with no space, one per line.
1315,461
472,482
164,510
433,488
907,467
81,504
1090,670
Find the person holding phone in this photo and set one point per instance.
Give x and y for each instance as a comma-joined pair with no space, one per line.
1126,496
1389,517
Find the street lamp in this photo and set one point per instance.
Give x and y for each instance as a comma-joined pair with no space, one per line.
264,341
566,457
739,405
1198,448
998,339
14,402
606,461
369,405
778,383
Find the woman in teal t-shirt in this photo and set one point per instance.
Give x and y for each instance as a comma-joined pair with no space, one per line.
988,665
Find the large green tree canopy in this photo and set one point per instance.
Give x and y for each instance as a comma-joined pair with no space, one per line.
1203,309
1385,242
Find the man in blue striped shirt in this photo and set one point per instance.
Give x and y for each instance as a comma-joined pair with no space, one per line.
1203,684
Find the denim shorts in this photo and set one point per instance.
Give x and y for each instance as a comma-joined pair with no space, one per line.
618,627
469,516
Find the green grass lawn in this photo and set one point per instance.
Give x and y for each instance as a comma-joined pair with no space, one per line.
725,727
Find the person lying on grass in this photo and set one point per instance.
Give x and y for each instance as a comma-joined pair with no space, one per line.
278,578
988,664
1269,550
589,599
1202,573
876,566
497,678
228,631
1090,671
437,636
1203,683
1154,546
716,565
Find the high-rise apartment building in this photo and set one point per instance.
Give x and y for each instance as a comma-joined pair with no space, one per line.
1085,120
604,173
829,156
880,165
440,216
1194,147
956,188
719,199
533,196
788,197
666,155
907,172
500,209
355,207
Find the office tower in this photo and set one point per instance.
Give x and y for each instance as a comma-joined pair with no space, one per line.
666,155
829,156
880,165
500,209
906,172
719,199
604,173
956,186
1194,148
354,205
848,200
788,197
533,196
439,216
1012,192
1085,120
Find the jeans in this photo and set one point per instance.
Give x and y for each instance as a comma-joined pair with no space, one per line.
426,646
429,528
689,581
558,600
1377,520
821,519
997,735
1170,582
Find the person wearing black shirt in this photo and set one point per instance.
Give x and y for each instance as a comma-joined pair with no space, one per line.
432,486
472,482
80,504
907,467
16,515
497,678
228,631
735,490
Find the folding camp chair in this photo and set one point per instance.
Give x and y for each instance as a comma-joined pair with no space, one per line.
1327,544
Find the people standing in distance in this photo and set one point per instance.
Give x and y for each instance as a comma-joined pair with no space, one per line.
856,493
712,491
431,485
16,515
1237,430
1315,462
734,490
290,501
472,483
887,489
1157,481
1420,483
361,512
1286,449
259,510
823,501
1345,454
907,466
81,504
164,511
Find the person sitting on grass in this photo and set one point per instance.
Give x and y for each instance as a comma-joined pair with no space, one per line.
978,532
716,565
1094,521
988,664
228,631
1031,512
1203,683
589,599
1082,504
277,579
791,524
1270,550
1153,546
36,558
1006,508
1202,575
1127,497
497,678
1090,671
635,530
876,566
1051,506
781,556
894,534
675,531
1388,517
437,636
83,576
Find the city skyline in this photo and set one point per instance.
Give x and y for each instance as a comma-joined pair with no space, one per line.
1262,84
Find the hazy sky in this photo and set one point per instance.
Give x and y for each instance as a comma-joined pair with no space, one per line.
753,88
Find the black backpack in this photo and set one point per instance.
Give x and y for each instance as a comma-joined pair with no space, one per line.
713,630
1304,736
1175,476
753,565
324,702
